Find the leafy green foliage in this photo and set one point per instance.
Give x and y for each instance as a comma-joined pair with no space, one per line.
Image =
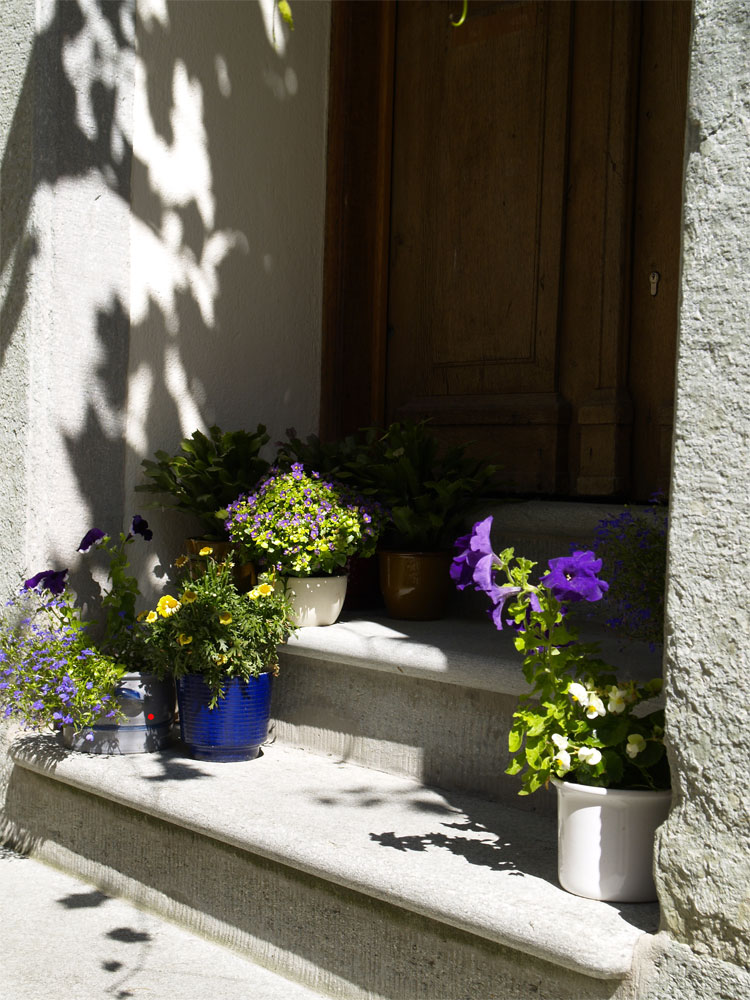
213,630
577,720
304,525
426,489
207,474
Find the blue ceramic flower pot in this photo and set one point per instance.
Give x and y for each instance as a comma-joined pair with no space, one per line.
234,730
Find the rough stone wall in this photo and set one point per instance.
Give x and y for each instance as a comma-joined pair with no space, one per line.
703,852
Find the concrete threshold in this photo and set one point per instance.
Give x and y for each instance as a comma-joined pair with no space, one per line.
62,937
464,862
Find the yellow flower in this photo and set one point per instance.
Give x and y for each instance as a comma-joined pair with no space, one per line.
188,597
184,640
225,618
180,561
151,616
254,594
205,551
167,605
265,589
221,659
141,616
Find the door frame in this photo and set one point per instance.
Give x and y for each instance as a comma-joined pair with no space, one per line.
355,286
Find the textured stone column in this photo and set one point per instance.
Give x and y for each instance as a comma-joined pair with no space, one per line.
703,851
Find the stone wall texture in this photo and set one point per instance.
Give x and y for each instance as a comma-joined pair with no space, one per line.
703,856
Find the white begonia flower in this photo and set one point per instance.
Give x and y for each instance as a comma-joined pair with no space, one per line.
562,760
589,755
616,702
636,743
579,693
595,706
561,742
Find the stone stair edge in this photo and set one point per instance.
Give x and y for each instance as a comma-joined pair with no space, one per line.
458,651
512,901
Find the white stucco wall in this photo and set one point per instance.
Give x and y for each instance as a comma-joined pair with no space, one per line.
171,288
227,225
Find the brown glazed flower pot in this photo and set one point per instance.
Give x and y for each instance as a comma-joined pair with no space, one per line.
415,585
244,573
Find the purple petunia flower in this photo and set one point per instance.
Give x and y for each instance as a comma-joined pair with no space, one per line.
92,537
474,565
49,579
573,578
140,526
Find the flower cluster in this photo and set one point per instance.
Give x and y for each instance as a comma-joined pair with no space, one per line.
213,630
578,720
302,525
633,548
58,670
50,673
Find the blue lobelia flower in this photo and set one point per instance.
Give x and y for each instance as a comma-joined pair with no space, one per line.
573,578
139,526
92,537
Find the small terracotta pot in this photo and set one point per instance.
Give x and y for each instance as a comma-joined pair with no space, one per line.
415,585
244,573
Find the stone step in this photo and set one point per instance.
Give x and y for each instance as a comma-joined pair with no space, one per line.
428,700
357,883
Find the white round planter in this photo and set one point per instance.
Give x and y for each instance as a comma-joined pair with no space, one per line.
316,600
606,841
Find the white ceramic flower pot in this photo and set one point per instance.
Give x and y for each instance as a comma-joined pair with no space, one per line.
316,600
606,841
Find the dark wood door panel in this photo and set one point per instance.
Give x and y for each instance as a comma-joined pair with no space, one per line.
477,192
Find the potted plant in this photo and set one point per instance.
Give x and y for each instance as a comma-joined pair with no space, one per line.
345,460
202,478
222,647
51,675
304,529
88,678
428,493
593,736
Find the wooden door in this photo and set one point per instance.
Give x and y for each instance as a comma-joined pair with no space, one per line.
483,266
476,235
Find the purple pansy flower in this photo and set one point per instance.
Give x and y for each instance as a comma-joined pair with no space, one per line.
573,578
49,579
140,526
92,537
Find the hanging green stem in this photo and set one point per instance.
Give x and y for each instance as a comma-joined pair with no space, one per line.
462,18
